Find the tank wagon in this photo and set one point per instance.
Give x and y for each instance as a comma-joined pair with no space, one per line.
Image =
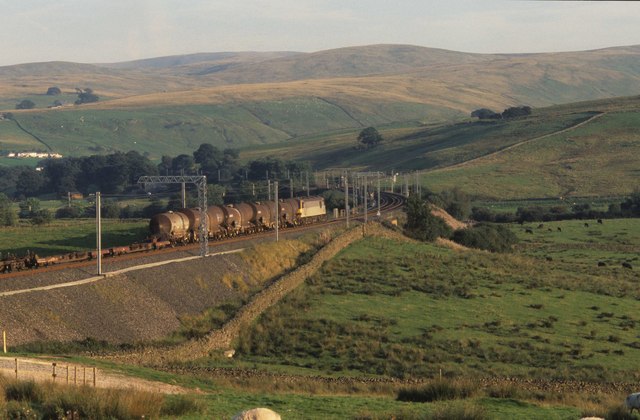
237,219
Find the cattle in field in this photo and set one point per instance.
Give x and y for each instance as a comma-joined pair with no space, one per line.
529,231
627,265
600,221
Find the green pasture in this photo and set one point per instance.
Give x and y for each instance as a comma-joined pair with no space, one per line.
511,206
223,400
174,130
597,159
407,310
574,243
423,148
40,100
70,235
13,139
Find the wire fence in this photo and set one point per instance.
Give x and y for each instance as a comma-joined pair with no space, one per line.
28,369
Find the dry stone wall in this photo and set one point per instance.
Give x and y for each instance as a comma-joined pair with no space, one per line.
222,339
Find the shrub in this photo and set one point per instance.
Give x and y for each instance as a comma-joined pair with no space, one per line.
69,213
23,391
493,238
421,224
620,412
41,217
458,411
180,405
437,390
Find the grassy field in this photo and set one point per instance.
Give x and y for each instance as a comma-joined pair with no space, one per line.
386,309
497,160
595,159
389,309
69,235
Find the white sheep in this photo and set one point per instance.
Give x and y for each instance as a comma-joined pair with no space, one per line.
633,401
257,414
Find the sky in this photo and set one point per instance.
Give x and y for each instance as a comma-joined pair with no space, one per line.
105,31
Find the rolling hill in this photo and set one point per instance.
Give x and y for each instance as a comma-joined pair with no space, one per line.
317,102
581,149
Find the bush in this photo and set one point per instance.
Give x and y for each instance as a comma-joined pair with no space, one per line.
25,104
41,217
180,405
620,412
492,238
69,213
437,390
423,225
54,90
458,411
23,391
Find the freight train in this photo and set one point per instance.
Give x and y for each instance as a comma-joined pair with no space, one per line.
231,220
10,262
181,227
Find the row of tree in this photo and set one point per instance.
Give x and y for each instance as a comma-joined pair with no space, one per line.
513,112
118,173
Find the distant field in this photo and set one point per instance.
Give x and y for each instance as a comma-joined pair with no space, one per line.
13,139
596,159
156,131
68,235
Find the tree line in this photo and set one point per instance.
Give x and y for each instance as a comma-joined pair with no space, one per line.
117,173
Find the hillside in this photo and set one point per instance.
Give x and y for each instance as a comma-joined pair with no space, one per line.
356,87
579,149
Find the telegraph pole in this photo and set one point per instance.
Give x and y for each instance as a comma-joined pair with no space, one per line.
275,185
98,234
346,197
269,189
379,213
365,199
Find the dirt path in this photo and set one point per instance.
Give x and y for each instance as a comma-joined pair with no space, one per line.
513,146
42,370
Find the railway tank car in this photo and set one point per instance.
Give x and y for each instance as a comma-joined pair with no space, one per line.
231,220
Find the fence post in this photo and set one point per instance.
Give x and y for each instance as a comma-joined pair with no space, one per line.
67,374
54,371
4,341
16,368
75,375
84,375
94,377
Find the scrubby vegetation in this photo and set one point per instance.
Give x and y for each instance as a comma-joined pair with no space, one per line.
493,238
30,400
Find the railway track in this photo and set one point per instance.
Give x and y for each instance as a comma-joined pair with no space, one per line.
389,202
